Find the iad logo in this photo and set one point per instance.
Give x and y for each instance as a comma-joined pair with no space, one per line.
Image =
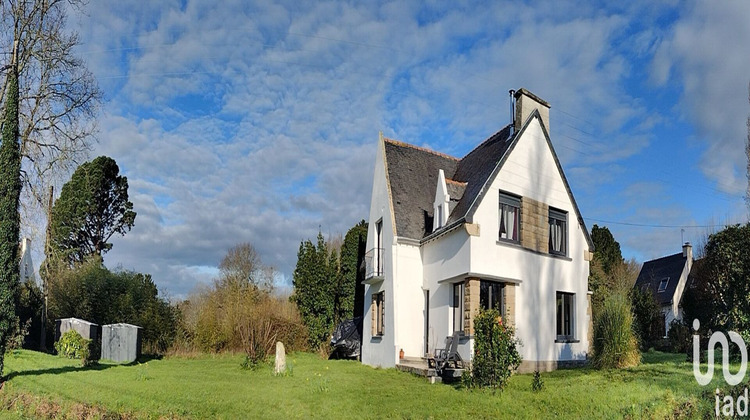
720,338
727,403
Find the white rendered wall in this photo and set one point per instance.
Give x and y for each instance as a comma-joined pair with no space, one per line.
445,258
530,171
679,290
409,301
380,351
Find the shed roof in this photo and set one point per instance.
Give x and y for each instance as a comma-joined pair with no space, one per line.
79,320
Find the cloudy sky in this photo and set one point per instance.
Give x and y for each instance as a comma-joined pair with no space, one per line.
239,121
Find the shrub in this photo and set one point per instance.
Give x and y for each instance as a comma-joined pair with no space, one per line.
18,335
495,352
537,384
239,319
73,346
680,337
648,320
615,345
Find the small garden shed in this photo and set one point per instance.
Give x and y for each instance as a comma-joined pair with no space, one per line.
86,329
121,342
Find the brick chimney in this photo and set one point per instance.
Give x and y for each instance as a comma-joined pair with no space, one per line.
526,103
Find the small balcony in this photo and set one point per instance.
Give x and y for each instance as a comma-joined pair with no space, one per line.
374,265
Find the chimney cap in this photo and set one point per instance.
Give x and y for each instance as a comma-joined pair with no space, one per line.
525,92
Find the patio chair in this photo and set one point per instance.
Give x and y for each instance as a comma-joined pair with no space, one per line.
448,357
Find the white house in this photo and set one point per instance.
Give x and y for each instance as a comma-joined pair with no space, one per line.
666,278
498,227
26,264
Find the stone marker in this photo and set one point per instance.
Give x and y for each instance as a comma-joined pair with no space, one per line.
280,367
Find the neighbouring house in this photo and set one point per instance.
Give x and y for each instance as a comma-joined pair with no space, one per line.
497,228
26,264
666,278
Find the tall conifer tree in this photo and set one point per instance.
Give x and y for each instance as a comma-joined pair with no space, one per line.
10,192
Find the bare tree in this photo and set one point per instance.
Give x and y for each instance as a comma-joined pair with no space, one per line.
58,96
242,267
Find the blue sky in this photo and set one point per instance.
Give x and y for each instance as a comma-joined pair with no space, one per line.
251,122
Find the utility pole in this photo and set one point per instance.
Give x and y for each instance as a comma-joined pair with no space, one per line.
47,254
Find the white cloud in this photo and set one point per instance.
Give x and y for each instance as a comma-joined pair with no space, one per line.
706,51
237,121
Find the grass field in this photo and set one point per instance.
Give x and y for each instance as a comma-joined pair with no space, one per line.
215,386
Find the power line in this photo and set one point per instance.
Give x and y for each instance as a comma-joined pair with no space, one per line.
648,225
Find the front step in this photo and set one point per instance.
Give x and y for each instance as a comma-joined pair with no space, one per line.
419,367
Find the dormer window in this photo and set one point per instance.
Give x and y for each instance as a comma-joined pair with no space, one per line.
440,216
509,216
663,284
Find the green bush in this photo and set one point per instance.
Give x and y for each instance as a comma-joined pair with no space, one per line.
680,337
648,320
495,352
73,346
92,292
615,344
537,384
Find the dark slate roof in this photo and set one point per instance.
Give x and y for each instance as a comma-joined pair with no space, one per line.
476,168
412,173
455,190
653,271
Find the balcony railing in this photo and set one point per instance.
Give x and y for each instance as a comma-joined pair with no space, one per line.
374,263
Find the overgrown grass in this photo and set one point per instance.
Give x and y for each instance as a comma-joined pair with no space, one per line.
615,345
216,386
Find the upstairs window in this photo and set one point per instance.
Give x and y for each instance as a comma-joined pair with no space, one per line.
510,212
558,232
663,284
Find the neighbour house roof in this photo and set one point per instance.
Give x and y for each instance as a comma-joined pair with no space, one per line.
654,271
412,173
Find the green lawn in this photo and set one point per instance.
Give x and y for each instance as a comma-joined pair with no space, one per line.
216,386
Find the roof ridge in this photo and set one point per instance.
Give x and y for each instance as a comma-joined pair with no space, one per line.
451,181
485,141
665,257
422,149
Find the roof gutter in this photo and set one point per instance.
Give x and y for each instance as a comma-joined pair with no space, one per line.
448,228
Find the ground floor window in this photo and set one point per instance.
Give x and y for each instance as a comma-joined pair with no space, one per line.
458,307
378,314
492,295
565,315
